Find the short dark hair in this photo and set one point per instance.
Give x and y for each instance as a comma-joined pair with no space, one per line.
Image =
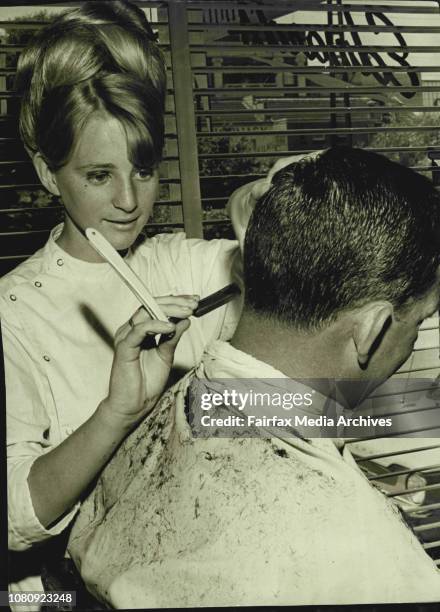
337,231
102,57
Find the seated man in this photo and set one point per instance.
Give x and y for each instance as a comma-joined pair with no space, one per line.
341,260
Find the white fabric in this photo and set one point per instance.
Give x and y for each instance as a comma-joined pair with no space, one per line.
59,315
228,522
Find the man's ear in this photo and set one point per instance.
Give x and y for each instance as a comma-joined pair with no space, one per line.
46,176
372,322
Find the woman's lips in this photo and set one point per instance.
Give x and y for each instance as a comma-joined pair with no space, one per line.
122,224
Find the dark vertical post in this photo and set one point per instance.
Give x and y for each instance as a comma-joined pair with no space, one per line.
333,61
348,122
185,119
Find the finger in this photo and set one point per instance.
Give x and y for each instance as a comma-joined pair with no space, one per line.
136,334
139,316
171,299
166,349
260,188
179,312
179,307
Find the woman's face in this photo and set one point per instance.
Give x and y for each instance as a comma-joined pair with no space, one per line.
100,188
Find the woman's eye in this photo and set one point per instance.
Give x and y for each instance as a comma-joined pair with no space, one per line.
98,178
145,174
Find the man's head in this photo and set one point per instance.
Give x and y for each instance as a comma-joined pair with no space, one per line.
346,234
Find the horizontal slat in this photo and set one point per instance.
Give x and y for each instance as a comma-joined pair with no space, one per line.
350,89
249,154
375,8
410,411
251,177
281,153
426,348
319,123
407,393
336,69
32,209
405,491
345,89
291,111
426,527
394,453
397,434
9,257
24,233
288,3
323,8
297,48
216,222
425,369
321,130
403,472
430,545
425,508
314,27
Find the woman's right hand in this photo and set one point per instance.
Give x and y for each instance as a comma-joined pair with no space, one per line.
136,383
58,478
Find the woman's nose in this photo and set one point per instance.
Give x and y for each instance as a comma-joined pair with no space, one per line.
124,197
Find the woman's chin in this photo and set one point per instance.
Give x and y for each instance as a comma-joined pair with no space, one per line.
121,236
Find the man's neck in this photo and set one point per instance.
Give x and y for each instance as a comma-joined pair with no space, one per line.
317,356
296,354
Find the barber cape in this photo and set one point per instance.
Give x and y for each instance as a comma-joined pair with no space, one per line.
177,521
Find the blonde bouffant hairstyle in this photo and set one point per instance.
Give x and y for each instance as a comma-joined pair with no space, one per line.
102,57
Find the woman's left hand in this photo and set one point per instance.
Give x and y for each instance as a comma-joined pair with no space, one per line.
242,202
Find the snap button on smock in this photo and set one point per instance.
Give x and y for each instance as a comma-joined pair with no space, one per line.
60,262
13,297
37,284
46,357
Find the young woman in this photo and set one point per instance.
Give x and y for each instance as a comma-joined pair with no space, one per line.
93,89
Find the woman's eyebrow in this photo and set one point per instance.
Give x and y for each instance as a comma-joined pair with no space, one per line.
96,166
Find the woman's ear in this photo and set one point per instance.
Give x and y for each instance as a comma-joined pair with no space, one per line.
46,175
372,323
